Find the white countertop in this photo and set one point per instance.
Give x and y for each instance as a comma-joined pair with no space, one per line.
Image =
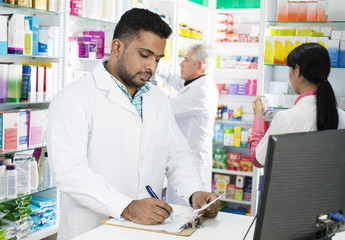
224,226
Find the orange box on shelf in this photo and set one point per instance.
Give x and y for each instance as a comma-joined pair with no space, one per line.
245,164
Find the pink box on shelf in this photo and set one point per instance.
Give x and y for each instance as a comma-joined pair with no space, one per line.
9,131
97,36
35,127
76,7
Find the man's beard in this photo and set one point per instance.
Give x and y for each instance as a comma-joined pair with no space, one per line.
126,77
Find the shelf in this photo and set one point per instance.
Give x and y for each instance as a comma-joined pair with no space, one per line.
20,150
190,39
83,59
21,103
45,232
235,201
239,173
233,73
235,122
40,189
305,23
29,10
221,145
284,65
238,44
26,58
239,10
90,24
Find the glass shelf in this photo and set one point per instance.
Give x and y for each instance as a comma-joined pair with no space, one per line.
235,201
40,189
19,104
232,172
29,10
284,65
235,122
189,38
83,59
90,23
221,145
238,44
306,23
19,59
21,150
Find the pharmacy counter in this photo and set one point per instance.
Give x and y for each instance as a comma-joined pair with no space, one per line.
224,226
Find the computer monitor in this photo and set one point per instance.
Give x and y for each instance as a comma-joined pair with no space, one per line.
304,177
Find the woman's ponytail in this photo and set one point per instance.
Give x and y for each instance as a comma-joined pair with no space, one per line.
315,65
326,107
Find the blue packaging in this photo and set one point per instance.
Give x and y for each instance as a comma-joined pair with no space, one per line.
26,82
34,23
218,133
3,34
333,51
341,62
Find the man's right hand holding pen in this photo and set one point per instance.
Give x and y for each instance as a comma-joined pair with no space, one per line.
151,211
147,211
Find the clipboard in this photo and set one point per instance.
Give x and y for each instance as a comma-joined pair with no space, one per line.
186,232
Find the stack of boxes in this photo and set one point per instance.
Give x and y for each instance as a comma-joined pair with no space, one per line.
235,187
231,161
282,40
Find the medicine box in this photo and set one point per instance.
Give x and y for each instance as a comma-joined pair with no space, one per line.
9,130
35,127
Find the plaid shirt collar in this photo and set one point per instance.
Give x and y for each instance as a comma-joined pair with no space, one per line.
137,101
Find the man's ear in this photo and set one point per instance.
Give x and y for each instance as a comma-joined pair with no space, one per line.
116,47
200,67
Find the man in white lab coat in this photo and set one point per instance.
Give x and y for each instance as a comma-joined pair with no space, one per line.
195,106
112,133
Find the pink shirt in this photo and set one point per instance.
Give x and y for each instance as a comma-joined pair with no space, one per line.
259,130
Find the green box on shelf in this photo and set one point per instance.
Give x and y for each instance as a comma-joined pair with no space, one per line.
200,2
228,4
219,160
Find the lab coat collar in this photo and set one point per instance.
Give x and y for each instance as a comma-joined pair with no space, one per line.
103,81
197,82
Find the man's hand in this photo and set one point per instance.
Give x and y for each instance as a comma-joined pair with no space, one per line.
147,211
199,199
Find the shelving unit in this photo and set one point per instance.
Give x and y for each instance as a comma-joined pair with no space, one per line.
245,22
47,18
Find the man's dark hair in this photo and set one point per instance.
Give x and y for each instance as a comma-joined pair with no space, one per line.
135,20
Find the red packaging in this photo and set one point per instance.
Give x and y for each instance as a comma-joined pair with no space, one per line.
234,161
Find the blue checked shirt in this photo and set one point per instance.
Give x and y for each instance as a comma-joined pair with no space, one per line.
137,101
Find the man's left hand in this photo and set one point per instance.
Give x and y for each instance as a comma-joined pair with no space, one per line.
199,199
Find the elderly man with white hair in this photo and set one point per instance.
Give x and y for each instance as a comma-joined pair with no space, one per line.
195,106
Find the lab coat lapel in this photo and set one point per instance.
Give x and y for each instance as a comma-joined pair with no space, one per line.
104,81
148,102
184,89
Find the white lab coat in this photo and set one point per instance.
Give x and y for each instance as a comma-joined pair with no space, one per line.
102,154
195,109
300,118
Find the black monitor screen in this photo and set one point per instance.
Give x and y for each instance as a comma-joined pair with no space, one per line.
304,177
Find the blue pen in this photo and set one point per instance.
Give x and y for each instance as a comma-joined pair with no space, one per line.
152,194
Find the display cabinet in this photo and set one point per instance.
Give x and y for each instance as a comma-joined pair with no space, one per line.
46,18
330,33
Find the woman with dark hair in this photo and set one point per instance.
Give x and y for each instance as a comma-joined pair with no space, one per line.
314,109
